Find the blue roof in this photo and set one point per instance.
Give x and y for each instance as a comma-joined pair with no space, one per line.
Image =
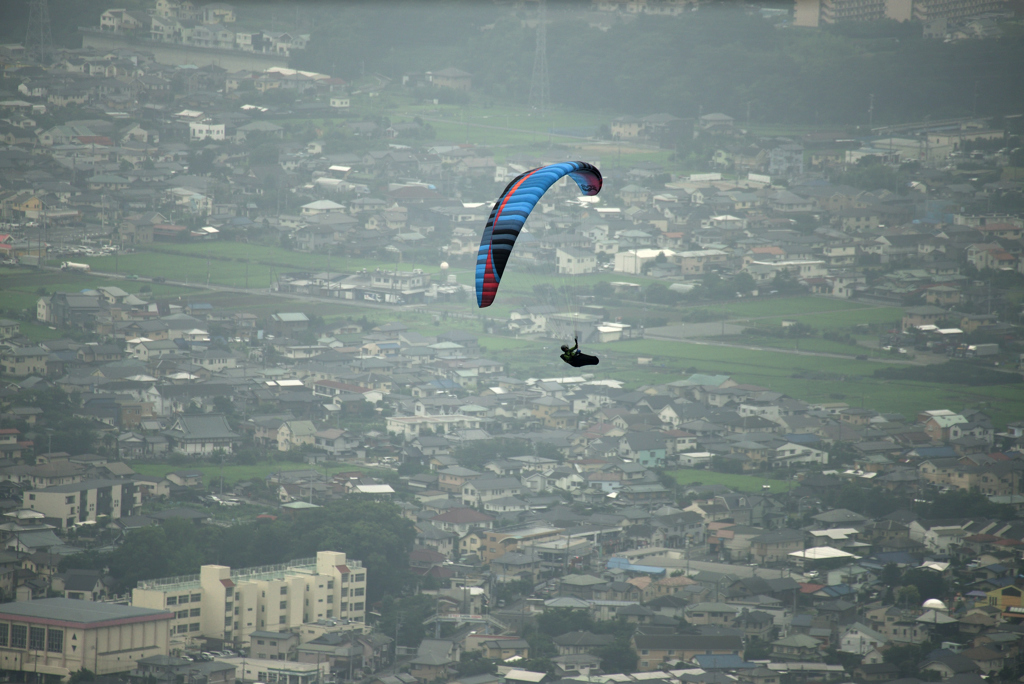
897,557
936,452
723,662
624,564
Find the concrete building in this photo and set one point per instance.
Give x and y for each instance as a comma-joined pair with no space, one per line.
221,603
85,502
58,636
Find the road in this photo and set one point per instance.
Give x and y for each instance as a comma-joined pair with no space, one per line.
255,291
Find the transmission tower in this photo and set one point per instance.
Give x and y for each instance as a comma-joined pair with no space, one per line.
540,91
38,39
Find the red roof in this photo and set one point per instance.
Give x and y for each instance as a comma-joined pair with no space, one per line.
227,583
810,588
343,569
95,140
10,431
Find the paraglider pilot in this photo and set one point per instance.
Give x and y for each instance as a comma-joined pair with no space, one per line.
575,358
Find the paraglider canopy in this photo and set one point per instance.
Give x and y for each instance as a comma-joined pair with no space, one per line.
510,213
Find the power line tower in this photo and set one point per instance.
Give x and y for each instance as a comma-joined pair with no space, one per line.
540,91
38,39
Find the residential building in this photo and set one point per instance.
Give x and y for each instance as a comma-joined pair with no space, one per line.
222,603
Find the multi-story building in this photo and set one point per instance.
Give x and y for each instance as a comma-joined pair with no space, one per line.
85,501
817,12
58,636
221,603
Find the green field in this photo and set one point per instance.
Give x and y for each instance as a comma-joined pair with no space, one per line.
741,483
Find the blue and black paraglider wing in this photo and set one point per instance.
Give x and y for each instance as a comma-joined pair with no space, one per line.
510,213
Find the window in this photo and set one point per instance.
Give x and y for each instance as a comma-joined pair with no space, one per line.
229,592
330,584
227,621
194,612
281,620
330,599
196,598
644,652
36,638
4,629
284,591
344,592
19,636
259,641
181,613
361,577
31,497
55,641
284,605
183,599
359,591
194,627
182,629
172,600
359,606
69,499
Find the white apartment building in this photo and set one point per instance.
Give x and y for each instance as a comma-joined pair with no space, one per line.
206,130
222,603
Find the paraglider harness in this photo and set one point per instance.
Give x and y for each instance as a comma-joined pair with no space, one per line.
575,358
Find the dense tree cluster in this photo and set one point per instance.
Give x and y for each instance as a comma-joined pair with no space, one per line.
721,58
372,532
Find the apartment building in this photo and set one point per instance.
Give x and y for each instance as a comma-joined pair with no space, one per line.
222,603
85,502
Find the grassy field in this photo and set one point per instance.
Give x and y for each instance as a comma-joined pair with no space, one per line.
21,288
234,473
741,483
813,344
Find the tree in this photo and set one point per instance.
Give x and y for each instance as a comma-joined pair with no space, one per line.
929,584
563,620
908,596
603,291
374,533
472,663
82,676
617,657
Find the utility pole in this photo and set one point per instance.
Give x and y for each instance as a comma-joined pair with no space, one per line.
871,110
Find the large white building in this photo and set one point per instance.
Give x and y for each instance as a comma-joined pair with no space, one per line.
221,603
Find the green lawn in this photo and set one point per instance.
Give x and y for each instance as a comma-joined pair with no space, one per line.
742,483
788,306
812,344
809,378
21,289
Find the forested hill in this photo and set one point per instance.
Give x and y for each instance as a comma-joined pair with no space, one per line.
719,58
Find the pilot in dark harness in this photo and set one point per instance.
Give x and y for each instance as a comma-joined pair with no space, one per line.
575,358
